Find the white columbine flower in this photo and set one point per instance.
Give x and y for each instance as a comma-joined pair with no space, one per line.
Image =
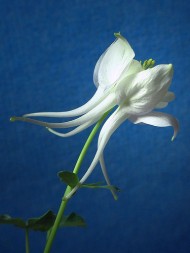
121,81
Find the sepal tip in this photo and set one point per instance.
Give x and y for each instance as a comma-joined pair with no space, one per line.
118,35
13,119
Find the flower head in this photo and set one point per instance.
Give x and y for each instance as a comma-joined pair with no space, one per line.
136,89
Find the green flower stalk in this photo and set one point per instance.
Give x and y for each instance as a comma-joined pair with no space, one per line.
63,205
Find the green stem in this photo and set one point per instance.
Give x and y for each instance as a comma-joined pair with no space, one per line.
68,189
27,245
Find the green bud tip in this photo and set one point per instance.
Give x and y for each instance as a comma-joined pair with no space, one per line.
117,35
170,66
115,197
12,119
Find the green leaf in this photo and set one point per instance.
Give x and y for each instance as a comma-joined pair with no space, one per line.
73,220
42,223
45,222
69,178
6,219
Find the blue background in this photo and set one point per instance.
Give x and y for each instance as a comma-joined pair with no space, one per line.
48,53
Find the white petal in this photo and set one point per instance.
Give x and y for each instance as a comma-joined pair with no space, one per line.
96,99
119,118
161,105
108,129
105,174
113,62
165,100
109,122
170,96
141,92
74,131
157,119
94,114
96,69
134,68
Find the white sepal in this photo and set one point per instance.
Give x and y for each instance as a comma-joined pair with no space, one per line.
170,96
112,63
157,119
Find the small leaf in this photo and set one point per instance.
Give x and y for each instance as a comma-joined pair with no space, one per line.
42,223
72,220
6,219
69,178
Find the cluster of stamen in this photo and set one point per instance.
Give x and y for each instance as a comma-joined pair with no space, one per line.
148,64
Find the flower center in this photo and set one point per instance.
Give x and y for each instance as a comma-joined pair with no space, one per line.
148,64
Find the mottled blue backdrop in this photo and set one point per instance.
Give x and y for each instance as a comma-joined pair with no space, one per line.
48,53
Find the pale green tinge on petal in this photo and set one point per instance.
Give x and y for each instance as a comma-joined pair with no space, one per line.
157,119
112,63
141,92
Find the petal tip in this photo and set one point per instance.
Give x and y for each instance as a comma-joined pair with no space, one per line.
117,35
174,136
170,65
13,119
115,197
